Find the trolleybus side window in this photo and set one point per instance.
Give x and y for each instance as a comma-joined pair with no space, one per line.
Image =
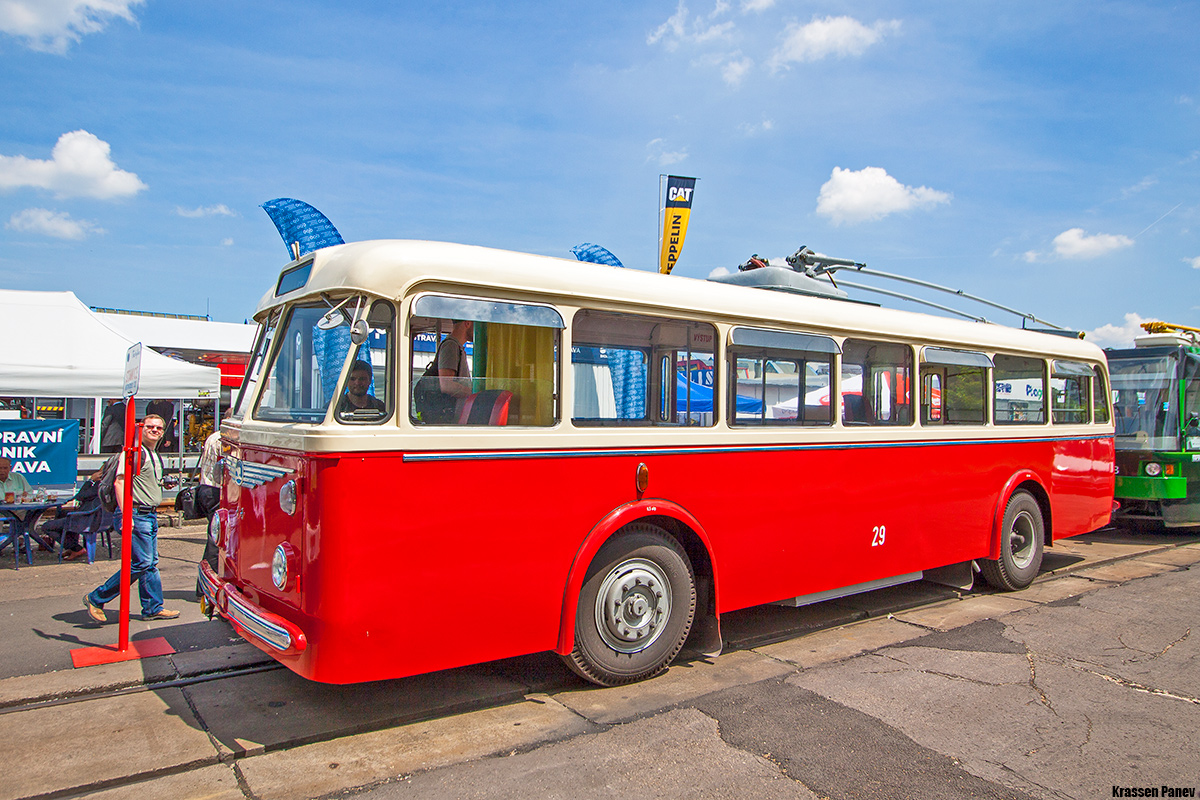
780,377
1070,398
1101,397
953,387
876,379
483,362
366,395
1019,395
620,361
308,362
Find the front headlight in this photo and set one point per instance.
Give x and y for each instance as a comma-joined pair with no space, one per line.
279,568
1153,469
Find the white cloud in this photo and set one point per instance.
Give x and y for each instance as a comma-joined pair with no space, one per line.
1074,243
871,194
227,242
734,71
657,153
756,5
51,223
80,166
1032,256
219,210
1118,335
1195,262
52,26
676,30
828,36
750,129
719,271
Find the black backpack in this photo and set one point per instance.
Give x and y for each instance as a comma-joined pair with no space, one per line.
433,406
106,489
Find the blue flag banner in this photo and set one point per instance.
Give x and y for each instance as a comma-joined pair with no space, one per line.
44,451
298,222
596,254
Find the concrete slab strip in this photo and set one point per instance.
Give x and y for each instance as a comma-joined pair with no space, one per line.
323,768
945,616
100,741
825,647
1121,571
682,682
216,782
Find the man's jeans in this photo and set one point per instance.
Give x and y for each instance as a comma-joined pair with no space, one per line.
144,565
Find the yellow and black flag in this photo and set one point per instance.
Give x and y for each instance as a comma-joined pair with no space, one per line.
677,207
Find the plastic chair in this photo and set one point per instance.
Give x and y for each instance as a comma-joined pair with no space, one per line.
88,522
489,407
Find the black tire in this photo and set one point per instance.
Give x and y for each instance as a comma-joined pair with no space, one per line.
635,609
1022,532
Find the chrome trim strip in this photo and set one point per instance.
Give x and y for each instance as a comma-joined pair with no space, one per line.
269,632
249,475
496,455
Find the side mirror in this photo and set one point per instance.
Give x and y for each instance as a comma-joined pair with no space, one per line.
359,332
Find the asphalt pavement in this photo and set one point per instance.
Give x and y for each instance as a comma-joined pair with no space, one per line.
1085,685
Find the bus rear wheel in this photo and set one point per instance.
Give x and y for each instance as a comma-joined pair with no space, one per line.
1022,532
635,607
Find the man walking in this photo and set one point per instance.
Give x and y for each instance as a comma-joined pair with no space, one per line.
147,495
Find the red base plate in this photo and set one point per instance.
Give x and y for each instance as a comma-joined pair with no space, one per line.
110,654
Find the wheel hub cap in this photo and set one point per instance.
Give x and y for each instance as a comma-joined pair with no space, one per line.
633,605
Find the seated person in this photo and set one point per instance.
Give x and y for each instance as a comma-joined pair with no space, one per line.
86,499
356,397
13,482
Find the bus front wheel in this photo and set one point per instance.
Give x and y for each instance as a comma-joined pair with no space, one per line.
1022,533
635,607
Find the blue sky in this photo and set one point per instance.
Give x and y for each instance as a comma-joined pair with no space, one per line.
1043,155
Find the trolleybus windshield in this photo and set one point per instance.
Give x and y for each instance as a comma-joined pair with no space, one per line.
1144,398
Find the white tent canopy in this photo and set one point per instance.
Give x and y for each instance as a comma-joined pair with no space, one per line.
54,346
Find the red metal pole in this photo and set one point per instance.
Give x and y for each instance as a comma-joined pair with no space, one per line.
133,444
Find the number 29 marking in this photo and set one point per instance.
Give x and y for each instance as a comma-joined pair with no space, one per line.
879,533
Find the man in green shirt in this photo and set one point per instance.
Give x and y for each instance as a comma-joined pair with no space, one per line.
147,495
12,482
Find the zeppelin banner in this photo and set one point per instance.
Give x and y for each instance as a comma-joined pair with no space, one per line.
676,210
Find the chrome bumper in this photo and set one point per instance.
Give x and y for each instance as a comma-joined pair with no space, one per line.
269,631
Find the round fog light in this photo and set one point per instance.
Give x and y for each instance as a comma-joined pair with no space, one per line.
279,567
1153,469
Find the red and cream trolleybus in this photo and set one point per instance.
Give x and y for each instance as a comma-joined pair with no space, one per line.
613,459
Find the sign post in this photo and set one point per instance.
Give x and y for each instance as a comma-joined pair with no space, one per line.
158,646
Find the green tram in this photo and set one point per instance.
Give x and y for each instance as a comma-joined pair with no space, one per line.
1156,399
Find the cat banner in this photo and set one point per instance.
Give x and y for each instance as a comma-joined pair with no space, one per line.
677,207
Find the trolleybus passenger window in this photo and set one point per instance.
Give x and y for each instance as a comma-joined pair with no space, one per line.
367,390
876,379
1019,394
1070,399
308,362
780,377
953,387
1101,397
613,381
483,362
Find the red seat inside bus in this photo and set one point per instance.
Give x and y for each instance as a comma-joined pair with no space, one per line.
489,407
